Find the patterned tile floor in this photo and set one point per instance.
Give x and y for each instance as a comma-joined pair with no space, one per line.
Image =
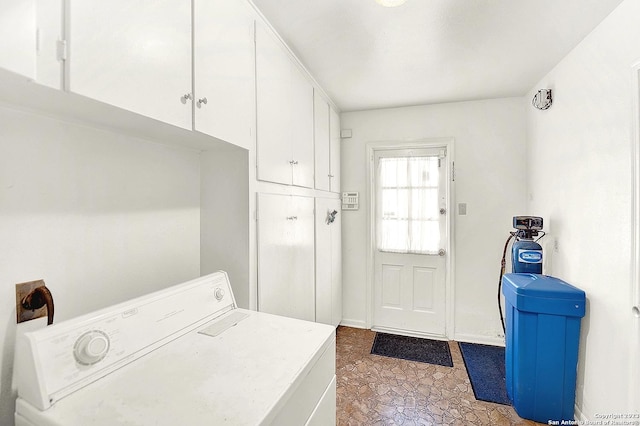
377,390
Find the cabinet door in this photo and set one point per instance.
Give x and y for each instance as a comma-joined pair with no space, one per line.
334,151
18,35
336,264
302,266
49,67
273,132
328,262
224,70
321,142
134,54
285,256
301,125
274,236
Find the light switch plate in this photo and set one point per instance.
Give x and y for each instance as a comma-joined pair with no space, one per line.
23,289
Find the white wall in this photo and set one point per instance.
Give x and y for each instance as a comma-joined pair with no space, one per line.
580,168
225,216
101,217
490,178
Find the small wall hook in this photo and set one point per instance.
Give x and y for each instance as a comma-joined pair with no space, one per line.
331,216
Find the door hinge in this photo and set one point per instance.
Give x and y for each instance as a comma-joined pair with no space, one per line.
453,171
61,50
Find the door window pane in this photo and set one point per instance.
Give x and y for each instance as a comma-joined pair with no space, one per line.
408,210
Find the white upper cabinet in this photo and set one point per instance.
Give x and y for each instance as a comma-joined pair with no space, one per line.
134,54
301,109
321,142
18,35
272,85
284,115
224,70
334,150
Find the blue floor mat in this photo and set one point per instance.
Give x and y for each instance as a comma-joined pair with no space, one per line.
485,366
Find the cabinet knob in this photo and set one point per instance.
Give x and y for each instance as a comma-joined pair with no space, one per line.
184,98
292,217
330,176
202,101
293,162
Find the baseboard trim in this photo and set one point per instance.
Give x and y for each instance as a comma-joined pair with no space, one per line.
482,340
353,323
579,415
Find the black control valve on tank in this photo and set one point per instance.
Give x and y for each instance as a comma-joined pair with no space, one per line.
527,227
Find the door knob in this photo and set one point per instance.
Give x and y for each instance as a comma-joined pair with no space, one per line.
441,252
443,211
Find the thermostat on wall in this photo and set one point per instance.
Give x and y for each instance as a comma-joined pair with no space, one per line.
349,201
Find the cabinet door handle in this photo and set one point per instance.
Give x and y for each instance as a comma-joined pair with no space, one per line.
292,217
202,101
184,98
293,162
330,176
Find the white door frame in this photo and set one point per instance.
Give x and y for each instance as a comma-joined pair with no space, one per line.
371,148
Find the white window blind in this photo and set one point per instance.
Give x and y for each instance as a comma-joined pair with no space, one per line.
407,205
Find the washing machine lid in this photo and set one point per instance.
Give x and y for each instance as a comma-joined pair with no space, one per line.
55,361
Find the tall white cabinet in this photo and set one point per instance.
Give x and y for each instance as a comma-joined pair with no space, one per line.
286,256
298,157
328,261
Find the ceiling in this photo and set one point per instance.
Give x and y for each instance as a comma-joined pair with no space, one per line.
366,56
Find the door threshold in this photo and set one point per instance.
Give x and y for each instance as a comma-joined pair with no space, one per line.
410,333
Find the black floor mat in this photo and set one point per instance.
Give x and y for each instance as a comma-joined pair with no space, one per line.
412,349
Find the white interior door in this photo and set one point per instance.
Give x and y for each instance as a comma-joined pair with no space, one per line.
410,240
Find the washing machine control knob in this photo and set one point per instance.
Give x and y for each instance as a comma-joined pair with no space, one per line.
91,347
219,293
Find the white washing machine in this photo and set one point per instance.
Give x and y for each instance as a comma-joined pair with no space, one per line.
185,355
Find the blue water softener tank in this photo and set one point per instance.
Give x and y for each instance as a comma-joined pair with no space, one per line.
542,341
526,257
